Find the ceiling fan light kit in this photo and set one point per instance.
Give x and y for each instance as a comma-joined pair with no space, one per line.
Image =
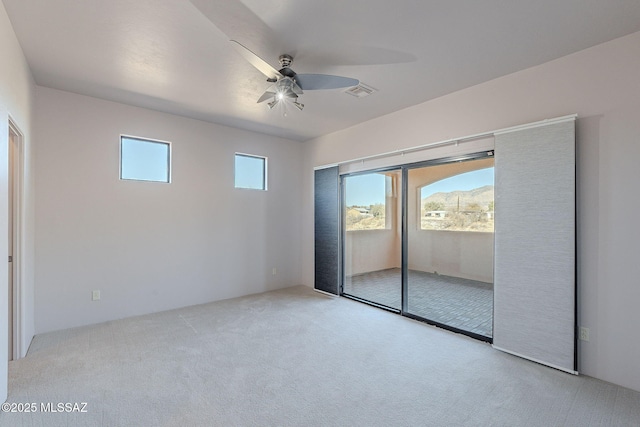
284,89
287,84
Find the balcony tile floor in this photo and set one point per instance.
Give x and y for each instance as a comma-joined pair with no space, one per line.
460,303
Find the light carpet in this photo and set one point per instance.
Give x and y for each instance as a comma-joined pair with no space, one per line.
295,357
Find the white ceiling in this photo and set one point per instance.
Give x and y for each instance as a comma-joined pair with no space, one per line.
168,56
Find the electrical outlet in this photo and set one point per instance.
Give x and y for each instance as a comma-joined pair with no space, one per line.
274,271
584,334
95,295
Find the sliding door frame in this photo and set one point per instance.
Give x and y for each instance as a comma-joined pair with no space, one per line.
405,237
404,265
343,235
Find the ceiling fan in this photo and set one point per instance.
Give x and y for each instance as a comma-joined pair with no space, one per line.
287,85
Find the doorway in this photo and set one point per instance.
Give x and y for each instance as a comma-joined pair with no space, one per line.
418,240
14,200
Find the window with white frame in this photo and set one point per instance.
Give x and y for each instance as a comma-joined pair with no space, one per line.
250,172
145,159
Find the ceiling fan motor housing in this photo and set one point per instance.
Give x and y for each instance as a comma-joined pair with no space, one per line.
285,61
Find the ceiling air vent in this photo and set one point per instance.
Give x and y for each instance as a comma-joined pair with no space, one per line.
360,91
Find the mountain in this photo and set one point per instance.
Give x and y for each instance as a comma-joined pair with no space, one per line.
482,196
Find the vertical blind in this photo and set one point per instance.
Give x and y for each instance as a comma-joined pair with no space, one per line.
534,277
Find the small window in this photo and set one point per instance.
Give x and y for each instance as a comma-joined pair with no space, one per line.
251,172
145,159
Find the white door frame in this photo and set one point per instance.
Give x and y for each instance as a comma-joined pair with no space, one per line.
17,264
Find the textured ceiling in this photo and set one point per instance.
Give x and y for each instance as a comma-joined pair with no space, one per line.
169,56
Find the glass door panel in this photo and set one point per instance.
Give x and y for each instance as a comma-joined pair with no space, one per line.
372,237
450,245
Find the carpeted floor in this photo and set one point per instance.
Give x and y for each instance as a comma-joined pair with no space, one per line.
461,303
295,357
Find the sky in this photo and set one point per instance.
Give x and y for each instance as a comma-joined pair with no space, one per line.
463,182
365,190
249,172
144,160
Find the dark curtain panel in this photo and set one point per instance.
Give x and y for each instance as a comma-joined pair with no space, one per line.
327,230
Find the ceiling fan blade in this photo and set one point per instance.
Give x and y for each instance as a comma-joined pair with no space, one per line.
238,22
267,95
352,54
324,81
256,61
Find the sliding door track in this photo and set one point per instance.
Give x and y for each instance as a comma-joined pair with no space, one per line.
375,304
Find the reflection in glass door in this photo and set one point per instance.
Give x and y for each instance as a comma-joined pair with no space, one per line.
450,245
372,236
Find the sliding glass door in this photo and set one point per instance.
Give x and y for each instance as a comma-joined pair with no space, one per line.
424,249
449,245
372,238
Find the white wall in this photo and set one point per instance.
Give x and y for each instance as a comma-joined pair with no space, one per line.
151,246
468,255
16,86
601,85
452,253
371,250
